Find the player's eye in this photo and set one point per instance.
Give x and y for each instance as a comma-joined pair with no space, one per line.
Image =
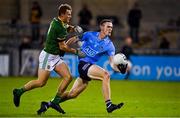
109,26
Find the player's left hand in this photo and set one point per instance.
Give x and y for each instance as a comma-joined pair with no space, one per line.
122,68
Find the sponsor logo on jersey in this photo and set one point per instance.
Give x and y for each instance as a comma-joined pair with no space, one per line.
89,51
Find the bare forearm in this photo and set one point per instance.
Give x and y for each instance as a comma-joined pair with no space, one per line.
71,41
68,49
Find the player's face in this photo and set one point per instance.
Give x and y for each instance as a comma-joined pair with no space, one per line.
106,28
67,16
128,41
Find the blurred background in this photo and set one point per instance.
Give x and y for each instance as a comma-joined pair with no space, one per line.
153,27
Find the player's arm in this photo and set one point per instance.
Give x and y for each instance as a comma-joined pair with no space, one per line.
63,46
72,40
111,53
73,37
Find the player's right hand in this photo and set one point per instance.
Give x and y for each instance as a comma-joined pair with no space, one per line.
80,53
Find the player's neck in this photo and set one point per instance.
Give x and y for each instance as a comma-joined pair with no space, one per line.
101,35
61,19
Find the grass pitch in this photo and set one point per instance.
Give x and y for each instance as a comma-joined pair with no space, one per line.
141,98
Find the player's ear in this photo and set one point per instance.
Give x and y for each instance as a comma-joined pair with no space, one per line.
101,27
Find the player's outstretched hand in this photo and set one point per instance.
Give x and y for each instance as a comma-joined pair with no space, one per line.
80,53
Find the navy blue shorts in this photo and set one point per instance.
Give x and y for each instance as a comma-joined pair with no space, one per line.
83,68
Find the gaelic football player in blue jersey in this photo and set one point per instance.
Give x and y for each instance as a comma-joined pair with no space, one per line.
95,45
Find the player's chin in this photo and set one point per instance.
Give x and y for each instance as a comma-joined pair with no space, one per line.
109,33
68,20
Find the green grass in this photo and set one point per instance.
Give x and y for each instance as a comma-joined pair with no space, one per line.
141,98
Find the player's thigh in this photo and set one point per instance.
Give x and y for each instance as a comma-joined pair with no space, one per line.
96,72
63,70
43,75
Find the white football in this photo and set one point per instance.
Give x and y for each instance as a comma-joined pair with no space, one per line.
119,58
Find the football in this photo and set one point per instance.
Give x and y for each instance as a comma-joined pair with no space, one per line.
120,58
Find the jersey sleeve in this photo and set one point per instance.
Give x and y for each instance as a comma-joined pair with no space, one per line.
111,50
84,36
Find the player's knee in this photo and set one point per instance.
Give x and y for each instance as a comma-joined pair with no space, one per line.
68,77
106,76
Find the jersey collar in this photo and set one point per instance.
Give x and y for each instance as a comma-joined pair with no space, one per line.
59,20
104,39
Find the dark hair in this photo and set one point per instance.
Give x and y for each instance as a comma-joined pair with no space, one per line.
63,7
105,20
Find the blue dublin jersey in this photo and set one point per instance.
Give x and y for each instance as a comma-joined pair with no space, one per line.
94,47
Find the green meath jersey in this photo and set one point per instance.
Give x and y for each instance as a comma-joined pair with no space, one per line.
57,32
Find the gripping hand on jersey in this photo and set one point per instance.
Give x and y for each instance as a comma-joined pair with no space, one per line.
78,29
77,32
80,53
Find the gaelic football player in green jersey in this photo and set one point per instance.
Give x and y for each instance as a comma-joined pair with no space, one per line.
50,58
